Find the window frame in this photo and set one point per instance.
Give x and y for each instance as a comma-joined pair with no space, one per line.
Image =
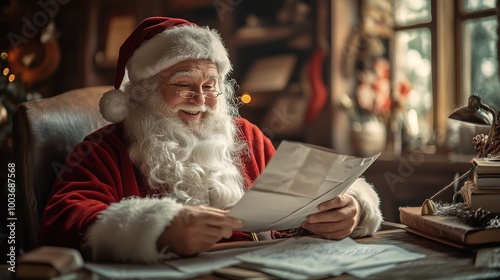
461,17
432,26
447,61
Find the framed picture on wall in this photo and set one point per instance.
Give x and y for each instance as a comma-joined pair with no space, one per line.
117,26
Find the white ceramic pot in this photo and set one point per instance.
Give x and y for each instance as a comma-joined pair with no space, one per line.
368,137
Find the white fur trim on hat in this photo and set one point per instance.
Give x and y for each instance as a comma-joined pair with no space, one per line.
127,231
114,106
175,45
369,202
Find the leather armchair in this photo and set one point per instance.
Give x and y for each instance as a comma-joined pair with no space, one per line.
44,132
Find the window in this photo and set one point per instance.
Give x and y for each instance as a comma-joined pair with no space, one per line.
478,25
412,62
446,50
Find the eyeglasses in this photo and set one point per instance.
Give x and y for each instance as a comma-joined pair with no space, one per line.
191,93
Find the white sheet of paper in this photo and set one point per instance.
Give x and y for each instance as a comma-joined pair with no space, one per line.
488,257
209,261
283,274
385,260
365,272
137,271
296,179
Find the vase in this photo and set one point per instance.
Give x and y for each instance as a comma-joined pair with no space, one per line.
368,137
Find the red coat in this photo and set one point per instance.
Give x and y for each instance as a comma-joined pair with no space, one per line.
98,172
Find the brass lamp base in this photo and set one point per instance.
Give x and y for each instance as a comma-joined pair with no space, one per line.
428,207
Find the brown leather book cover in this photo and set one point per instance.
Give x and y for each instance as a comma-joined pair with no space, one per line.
446,229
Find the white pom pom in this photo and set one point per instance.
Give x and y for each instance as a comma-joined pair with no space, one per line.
114,106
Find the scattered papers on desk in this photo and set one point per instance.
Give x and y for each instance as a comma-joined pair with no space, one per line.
296,179
314,258
295,258
184,268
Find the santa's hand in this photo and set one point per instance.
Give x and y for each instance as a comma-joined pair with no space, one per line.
337,218
196,229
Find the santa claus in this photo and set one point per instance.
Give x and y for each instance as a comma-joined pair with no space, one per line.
157,183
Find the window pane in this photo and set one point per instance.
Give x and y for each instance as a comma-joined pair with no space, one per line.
413,71
480,63
477,5
408,12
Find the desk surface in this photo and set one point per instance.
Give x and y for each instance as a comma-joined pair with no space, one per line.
441,261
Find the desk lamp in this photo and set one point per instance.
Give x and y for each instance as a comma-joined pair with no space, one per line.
477,113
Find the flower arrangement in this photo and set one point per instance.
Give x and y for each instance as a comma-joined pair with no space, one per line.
378,107
373,92
375,106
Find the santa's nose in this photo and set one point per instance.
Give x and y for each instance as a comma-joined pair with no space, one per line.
198,99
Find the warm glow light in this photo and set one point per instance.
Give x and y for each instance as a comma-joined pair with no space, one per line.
5,71
413,58
246,98
412,117
424,68
488,67
4,55
12,77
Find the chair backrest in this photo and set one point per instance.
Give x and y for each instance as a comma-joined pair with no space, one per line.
44,132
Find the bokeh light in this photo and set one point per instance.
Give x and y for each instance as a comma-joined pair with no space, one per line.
246,98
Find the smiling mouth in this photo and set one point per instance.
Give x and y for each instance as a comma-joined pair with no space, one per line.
191,112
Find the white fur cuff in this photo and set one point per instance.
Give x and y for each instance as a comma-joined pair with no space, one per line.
369,202
127,231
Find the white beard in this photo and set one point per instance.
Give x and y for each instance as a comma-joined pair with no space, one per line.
198,164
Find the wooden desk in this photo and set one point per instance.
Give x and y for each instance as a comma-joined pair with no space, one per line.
441,261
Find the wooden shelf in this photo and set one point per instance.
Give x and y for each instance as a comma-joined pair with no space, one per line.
263,35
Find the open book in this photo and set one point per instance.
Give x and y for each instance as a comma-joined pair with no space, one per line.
296,180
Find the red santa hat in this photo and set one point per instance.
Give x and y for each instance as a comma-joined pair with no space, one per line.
156,44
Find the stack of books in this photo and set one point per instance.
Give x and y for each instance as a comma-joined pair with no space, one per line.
484,190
